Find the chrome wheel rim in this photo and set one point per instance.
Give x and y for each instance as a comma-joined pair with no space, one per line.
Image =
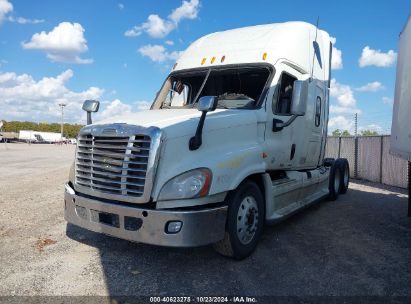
247,220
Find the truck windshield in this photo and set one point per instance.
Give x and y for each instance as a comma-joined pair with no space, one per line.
236,88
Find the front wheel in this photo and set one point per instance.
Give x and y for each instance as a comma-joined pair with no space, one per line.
245,220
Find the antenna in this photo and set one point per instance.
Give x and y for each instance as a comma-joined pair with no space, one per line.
316,31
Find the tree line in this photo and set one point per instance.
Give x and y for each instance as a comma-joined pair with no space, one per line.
339,132
70,130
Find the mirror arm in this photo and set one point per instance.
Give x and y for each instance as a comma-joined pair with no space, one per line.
196,141
89,121
278,125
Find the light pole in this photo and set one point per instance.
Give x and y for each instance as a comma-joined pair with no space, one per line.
62,105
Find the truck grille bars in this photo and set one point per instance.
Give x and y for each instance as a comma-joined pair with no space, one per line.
117,162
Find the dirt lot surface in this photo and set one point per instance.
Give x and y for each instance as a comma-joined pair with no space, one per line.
358,245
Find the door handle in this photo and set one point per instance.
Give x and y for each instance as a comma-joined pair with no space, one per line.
292,153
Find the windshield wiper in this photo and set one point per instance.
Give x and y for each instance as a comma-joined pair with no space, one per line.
201,88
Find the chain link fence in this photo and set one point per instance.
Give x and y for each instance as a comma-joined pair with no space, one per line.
369,159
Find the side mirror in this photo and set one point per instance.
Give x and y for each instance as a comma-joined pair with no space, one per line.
90,106
300,95
207,103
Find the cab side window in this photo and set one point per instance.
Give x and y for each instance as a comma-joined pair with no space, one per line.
178,95
283,95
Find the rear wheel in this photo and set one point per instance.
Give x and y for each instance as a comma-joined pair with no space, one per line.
245,219
345,175
334,181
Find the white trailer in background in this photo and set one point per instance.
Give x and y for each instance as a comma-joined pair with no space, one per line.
400,130
37,136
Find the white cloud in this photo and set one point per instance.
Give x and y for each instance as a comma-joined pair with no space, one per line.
169,42
23,97
371,87
343,93
372,127
377,58
188,10
387,100
121,6
5,8
343,110
342,123
64,43
344,107
336,59
143,105
114,108
22,20
157,27
119,108
158,53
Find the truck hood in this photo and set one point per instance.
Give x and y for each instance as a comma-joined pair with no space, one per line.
183,122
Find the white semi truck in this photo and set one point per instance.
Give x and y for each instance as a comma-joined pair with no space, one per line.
234,139
400,130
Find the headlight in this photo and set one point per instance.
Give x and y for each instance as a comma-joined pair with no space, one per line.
194,183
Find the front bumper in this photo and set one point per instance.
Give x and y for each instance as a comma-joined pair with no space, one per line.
199,227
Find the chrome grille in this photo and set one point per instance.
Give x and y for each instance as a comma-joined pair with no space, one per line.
115,165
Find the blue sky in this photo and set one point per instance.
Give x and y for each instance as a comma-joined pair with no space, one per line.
113,50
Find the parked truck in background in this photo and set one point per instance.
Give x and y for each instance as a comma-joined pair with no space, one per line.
39,137
400,129
234,139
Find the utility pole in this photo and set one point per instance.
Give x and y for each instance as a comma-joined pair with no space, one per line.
356,124
356,146
62,105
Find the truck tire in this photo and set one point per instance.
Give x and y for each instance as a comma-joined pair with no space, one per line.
334,183
345,175
245,220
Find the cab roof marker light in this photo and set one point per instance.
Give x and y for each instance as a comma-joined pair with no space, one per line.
222,59
212,60
264,56
203,61
174,66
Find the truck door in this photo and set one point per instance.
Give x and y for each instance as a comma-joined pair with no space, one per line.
314,140
283,147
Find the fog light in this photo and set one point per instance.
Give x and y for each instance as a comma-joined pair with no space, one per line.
174,226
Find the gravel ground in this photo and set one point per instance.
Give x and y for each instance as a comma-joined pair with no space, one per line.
358,245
